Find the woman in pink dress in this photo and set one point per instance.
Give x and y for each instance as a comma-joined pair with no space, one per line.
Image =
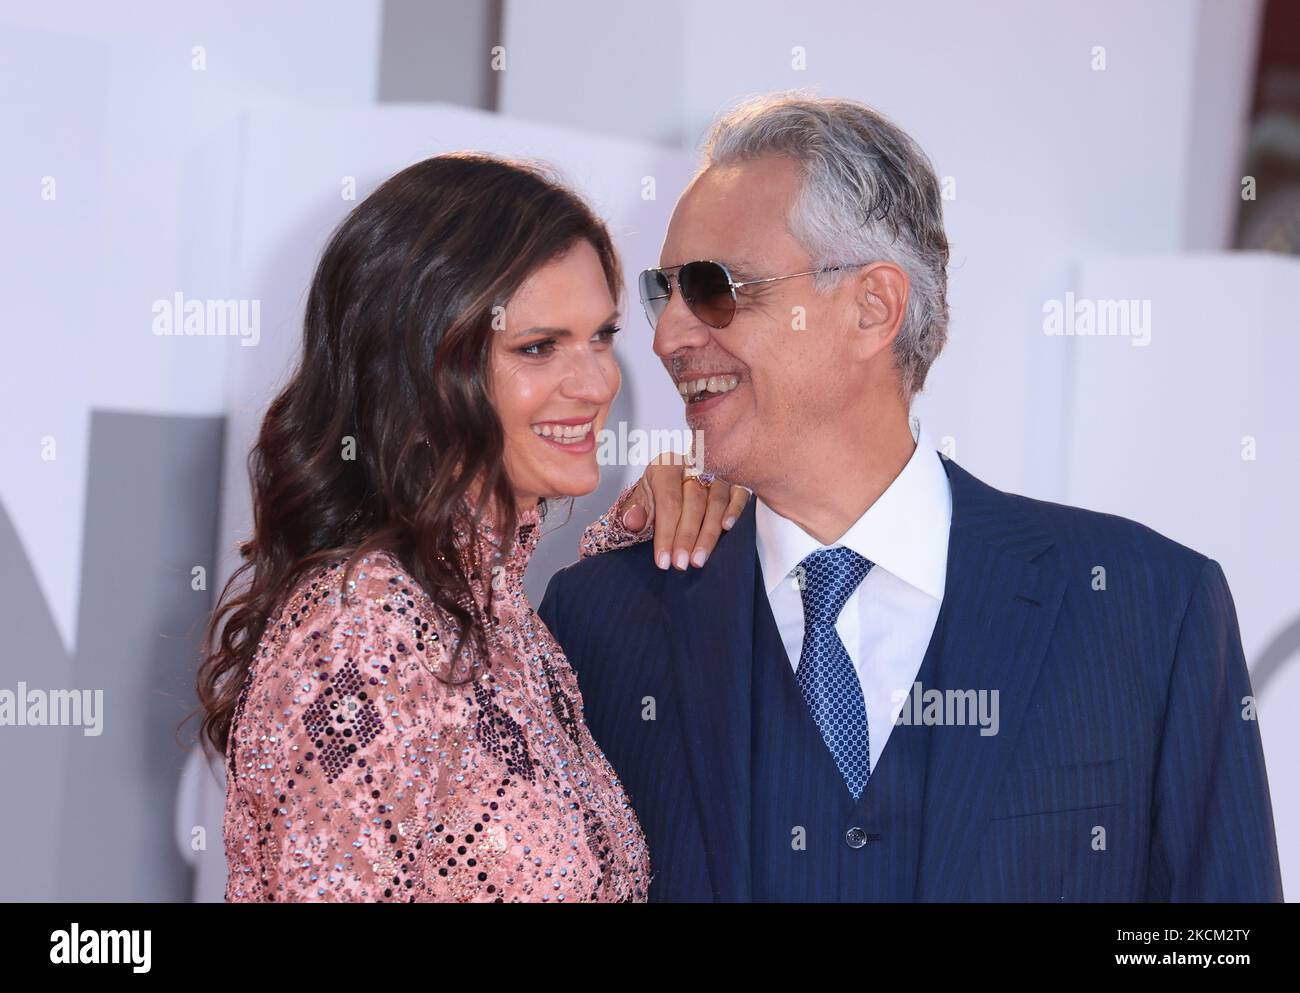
397,723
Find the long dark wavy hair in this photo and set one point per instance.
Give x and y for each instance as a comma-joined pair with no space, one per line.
396,352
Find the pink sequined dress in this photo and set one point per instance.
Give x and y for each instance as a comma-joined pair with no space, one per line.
354,772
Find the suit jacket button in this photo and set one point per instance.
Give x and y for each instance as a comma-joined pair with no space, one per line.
855,837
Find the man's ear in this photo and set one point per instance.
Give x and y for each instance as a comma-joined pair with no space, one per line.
880,296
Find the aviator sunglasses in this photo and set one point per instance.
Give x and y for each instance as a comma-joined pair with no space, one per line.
707,288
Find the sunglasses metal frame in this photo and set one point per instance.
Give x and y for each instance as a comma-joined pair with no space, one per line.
732,285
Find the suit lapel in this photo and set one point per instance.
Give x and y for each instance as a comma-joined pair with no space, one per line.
711,633
1001,599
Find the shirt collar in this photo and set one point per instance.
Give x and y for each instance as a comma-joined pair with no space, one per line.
905,532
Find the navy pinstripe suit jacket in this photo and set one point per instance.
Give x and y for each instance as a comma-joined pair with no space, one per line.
1121,708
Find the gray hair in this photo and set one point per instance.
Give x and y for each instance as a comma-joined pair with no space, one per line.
869,194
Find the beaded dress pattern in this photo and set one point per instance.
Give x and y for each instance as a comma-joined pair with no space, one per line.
356,772
607,532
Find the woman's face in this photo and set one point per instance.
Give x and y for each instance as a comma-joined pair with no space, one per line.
554,375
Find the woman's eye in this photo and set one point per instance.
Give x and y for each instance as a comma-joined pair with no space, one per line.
539,348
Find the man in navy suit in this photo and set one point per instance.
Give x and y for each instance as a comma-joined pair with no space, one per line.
892,681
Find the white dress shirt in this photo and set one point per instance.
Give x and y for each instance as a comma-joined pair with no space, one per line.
887,622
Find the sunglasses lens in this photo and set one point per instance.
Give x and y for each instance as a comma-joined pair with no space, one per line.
706,287
655,291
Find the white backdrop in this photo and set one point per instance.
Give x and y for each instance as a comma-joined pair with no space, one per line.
1197,434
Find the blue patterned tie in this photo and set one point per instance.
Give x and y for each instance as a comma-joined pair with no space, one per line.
826,676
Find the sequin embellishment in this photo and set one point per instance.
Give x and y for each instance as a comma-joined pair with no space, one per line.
355,773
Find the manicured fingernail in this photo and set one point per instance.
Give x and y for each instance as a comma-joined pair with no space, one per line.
663,560
728,523
626,514
700,556
682,560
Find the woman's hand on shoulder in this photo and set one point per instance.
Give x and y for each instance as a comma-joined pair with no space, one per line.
688,516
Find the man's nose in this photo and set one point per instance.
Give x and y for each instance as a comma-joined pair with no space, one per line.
678,328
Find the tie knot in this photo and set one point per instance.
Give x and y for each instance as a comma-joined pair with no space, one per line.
826,579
